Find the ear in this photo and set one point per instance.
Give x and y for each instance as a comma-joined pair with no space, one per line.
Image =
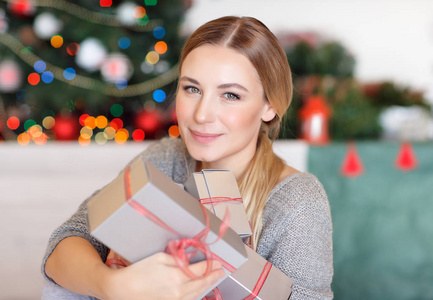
269,113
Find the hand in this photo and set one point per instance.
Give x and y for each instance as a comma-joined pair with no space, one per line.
158,277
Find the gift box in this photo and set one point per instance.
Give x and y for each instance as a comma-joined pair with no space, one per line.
142,211
256,279
218,191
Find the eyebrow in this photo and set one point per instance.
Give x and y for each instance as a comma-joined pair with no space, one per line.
222,86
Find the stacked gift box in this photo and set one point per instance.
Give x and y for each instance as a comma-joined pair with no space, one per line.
142,212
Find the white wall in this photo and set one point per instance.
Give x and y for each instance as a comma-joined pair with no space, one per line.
390,39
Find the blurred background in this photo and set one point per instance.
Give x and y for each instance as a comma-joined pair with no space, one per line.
87,85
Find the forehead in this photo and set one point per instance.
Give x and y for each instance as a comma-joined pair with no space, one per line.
219,62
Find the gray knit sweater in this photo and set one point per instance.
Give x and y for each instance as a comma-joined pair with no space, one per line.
297,226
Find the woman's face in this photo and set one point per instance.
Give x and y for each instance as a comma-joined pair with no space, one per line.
220,105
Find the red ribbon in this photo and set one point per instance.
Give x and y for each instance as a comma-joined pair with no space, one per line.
213,200
259,284
177,248
217,295
115,261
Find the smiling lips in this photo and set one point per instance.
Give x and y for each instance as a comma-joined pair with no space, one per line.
204,137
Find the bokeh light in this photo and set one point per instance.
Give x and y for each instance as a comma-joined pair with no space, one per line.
139,12
159,32
34,131
138,135
29,123
90,122
69,73
73,49
121,83
116,110
40,139
100,138
57,41
105,3
121,136
48,122
109,132
86,132
116,123
161,47
143,21
173,131
40,66
47,77
101,122
83,118
124,42
34,78
13,122
83,141
152,57
23,139
150,2
159,95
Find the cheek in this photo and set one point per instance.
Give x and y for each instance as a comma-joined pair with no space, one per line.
242,120
181,110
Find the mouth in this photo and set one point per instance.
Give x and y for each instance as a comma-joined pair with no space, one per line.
203,137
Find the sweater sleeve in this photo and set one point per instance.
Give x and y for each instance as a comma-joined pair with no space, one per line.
167,155
297,236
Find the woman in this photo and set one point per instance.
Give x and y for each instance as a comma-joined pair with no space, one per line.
234,87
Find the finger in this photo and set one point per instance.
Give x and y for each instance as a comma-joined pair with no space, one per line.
195,288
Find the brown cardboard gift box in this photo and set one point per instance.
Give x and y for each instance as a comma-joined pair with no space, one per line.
124,216
218,191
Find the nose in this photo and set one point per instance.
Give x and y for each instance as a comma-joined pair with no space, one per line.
205,111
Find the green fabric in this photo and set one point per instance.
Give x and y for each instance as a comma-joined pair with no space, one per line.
383,222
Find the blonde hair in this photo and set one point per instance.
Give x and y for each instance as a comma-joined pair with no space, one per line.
253,39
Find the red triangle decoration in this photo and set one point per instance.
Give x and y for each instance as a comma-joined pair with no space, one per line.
352,165
406,159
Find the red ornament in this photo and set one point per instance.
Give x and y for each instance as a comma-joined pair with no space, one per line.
22,8
66,128
352,165
105,3
406,159
314,117
150,121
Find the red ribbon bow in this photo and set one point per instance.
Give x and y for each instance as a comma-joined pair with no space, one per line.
177,248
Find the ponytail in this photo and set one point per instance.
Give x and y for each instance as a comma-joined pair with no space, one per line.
257,182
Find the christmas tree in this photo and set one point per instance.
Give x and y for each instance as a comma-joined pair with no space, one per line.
88,70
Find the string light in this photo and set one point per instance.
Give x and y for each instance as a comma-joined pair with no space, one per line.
139,12
13,123
57,41
33,78
94,17
161,47
152,57
23,139
101,122
173,131
73,49
138,135
48,122
89,83
47,77
40,66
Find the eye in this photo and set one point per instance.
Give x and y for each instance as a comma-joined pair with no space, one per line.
231,96
192,89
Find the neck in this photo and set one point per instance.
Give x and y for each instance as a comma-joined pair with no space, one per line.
238,168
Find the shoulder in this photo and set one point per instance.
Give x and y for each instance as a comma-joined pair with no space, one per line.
299,193
298,187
